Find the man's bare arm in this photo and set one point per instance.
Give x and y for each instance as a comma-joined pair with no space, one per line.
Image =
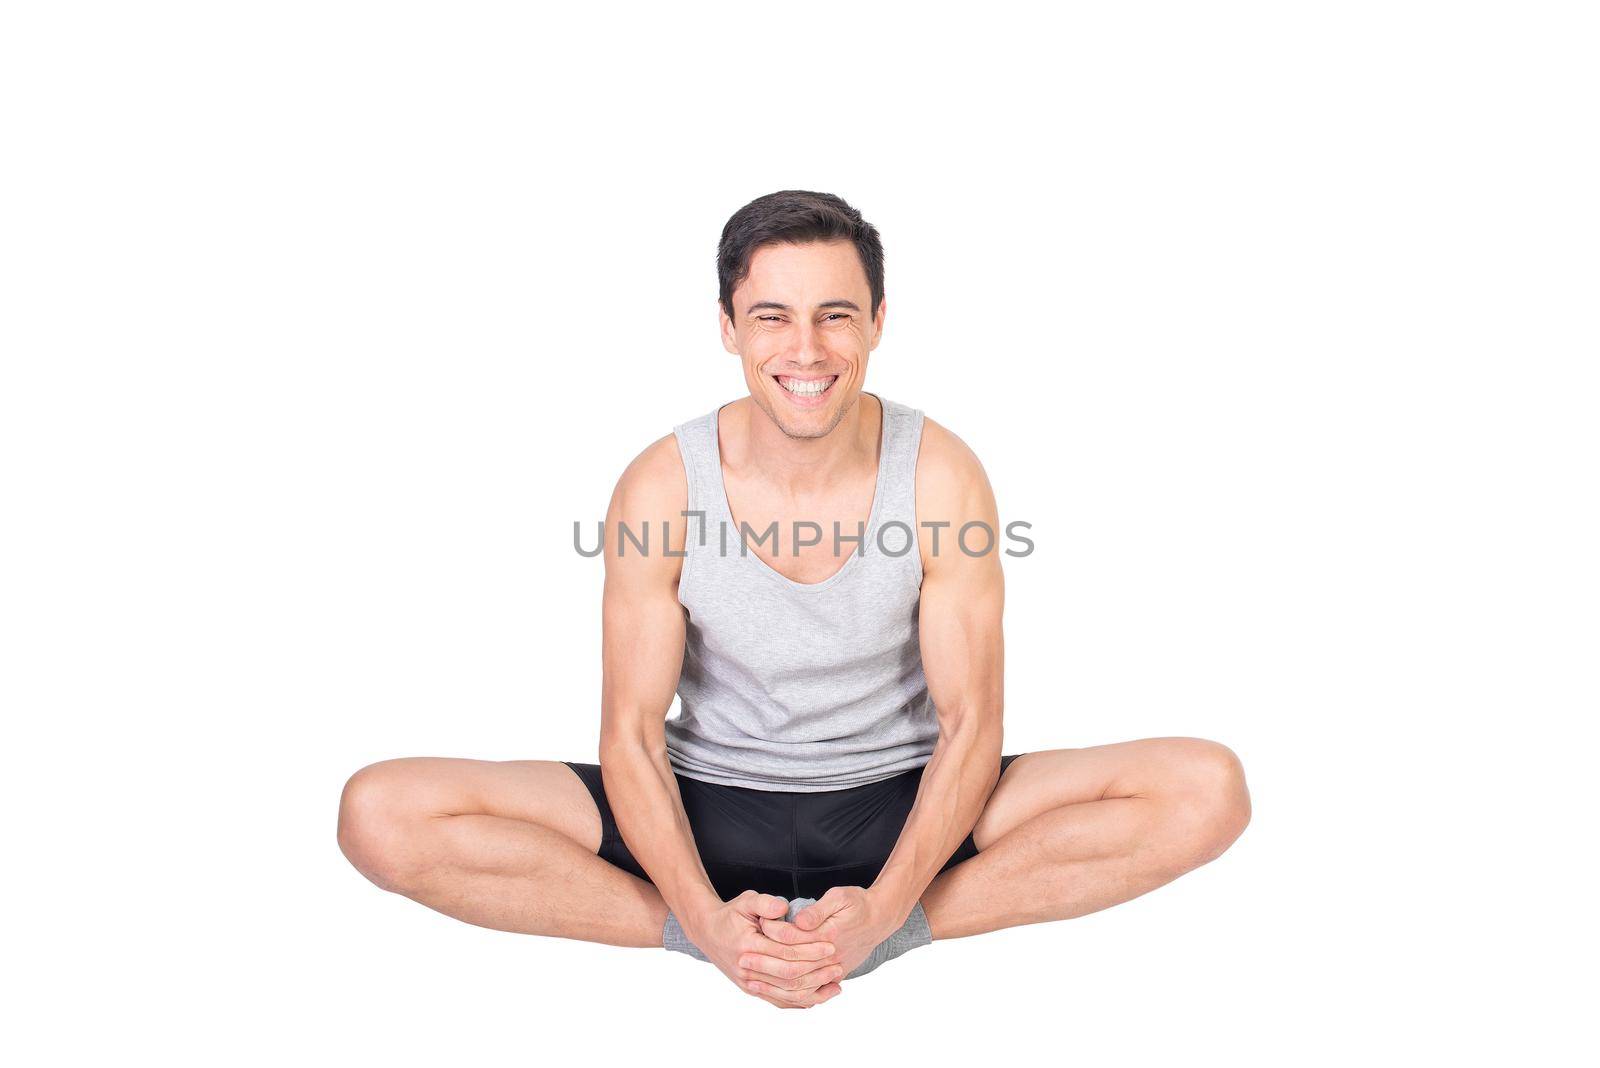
643,654
963,657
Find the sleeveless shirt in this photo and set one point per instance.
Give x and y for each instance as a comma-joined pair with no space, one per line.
801,687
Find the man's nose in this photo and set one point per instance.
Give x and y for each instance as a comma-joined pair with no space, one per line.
807,348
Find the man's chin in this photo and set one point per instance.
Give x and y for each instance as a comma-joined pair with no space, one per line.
806,433
812,424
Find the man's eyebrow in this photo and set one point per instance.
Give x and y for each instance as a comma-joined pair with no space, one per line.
763,304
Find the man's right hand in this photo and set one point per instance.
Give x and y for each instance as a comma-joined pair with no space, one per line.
789,975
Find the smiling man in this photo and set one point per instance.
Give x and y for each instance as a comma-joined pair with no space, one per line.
833,791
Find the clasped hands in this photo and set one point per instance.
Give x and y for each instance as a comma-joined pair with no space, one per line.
794,965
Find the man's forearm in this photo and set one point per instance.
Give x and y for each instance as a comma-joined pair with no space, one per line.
644,800
955,785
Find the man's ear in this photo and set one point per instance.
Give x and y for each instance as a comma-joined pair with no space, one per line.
725,326
877,322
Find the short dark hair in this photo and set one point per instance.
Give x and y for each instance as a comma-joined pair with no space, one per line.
794,216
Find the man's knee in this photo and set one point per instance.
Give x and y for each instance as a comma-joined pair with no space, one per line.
1213,800
374,825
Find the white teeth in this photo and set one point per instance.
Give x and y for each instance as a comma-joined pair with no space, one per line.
806,389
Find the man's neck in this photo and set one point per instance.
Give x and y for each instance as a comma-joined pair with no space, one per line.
798,466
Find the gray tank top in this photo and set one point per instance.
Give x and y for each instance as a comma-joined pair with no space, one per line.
802,687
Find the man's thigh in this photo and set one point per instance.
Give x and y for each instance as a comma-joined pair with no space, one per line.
1050,778
545,792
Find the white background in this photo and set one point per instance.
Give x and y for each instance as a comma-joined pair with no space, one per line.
323,322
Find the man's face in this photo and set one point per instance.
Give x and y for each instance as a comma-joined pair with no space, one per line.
803,325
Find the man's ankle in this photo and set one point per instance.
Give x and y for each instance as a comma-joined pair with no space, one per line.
674,938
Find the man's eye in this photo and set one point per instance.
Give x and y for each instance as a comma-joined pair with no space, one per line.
836,315
770,318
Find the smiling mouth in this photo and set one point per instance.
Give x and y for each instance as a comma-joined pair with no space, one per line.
807,387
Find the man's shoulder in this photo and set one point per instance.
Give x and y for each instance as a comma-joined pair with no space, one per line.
648,504
953,492
654,481
952,489
946,465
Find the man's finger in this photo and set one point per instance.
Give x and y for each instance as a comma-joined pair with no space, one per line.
816,952
790,974
785,999
769,999
764,906
815,914
748,988
786,932
789,934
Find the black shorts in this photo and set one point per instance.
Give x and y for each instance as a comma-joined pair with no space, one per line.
783,842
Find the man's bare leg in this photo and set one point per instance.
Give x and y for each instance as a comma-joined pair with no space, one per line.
510,845
1071,831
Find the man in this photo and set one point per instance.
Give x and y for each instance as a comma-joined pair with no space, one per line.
822,596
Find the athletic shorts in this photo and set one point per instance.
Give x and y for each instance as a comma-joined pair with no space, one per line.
786,843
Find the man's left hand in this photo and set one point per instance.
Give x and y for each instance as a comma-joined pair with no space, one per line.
850,917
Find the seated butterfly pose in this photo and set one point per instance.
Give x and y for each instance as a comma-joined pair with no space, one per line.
815,571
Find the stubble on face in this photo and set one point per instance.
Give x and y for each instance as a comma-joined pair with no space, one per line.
806,433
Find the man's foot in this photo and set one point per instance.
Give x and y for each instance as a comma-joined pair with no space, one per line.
673,938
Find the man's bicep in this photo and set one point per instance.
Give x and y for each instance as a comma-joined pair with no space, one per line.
963,588
643,654
961,635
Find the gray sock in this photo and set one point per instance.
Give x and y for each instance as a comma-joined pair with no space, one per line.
913,933
672,937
